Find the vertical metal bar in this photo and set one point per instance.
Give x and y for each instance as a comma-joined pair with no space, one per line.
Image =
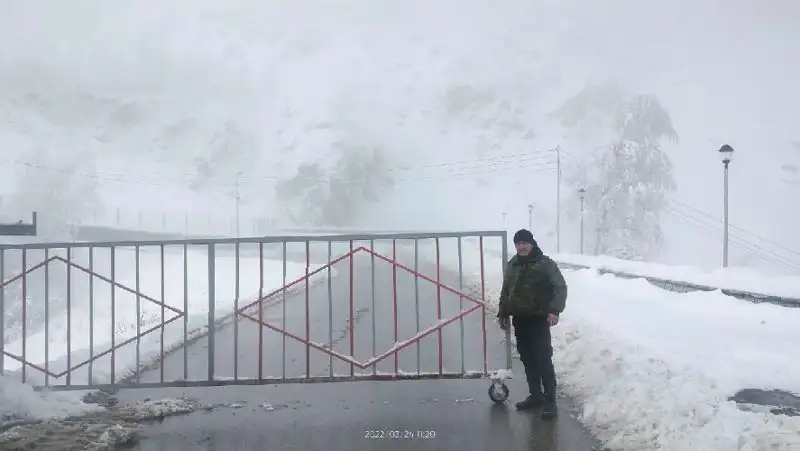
113,313
138,285
47,321
260,310
461,301
212,305
394,303
69,316
439,302
163,312
373,313
308,312
483,310
283,307
416,299
504,262
350,323
24,313
3,311
91,314
330,310
236,317
185,311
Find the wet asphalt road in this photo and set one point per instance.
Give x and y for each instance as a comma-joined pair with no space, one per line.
451,414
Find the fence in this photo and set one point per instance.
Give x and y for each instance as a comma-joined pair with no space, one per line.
208,312
686,287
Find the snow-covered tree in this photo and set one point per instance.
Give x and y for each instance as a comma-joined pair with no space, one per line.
621,165
631,179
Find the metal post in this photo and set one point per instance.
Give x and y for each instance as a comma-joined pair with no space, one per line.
558,198
530,217
581,225
238,202
504,251
211,308
725,216
582,194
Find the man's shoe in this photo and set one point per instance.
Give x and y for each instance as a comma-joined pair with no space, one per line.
550,411
531,402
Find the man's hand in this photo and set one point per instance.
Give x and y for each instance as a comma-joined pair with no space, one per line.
552,319
505,323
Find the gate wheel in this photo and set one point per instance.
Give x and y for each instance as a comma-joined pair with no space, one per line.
498,392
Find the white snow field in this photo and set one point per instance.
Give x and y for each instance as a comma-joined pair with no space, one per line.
652,369
744,279
193,299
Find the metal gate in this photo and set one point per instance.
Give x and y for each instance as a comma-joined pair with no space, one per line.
261,310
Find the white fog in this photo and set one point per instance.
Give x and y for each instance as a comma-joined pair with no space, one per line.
400,115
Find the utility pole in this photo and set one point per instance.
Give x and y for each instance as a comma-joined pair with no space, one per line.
582,193
530,217
238,199
558,198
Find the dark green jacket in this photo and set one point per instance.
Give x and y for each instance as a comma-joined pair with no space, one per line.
533,286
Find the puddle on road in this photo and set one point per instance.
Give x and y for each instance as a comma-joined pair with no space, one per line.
778,402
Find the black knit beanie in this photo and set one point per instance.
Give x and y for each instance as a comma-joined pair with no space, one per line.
524,236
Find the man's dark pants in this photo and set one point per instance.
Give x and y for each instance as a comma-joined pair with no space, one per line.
536,352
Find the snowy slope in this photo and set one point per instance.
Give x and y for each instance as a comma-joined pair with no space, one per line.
146,86
653,369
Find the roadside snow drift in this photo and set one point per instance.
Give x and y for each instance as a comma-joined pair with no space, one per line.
743,279
654,369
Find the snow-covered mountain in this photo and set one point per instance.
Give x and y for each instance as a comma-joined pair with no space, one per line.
454,95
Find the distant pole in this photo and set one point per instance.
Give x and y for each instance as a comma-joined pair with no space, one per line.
558,198
582,195
530,217
505,223
726,154
238,199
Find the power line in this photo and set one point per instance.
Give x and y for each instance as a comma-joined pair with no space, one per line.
716,220
502,163
738,242
766,256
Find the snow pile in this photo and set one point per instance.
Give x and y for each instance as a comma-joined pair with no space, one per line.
101,429
194,301
743,279
20,401
654,369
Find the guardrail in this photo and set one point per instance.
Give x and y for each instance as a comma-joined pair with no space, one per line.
686,287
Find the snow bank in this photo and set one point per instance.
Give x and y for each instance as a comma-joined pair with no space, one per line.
193,300
20,401
654,369
743,279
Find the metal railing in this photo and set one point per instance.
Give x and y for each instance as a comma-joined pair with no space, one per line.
261,310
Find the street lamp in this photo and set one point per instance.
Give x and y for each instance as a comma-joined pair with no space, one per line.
530,217
726,154
582,194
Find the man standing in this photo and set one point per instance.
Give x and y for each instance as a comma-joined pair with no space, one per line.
534,294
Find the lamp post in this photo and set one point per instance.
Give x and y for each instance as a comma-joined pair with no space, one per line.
558,198
582,194
726,154
530,217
